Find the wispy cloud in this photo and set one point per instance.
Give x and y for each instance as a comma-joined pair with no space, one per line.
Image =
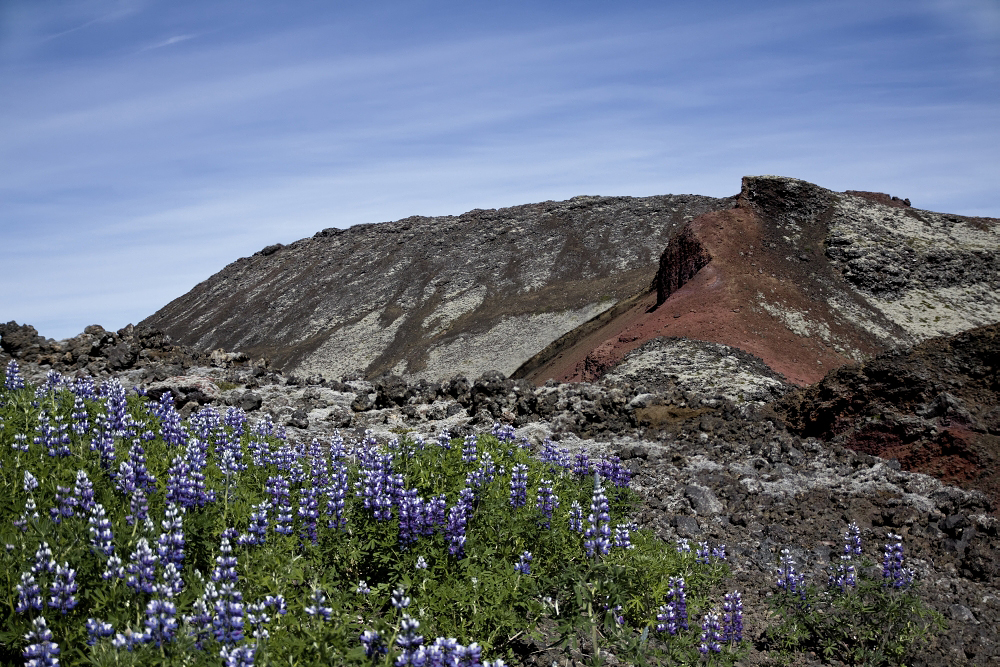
170,41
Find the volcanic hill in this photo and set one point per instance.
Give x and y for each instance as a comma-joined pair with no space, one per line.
802,277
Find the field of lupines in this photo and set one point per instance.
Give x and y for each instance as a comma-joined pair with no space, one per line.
132,536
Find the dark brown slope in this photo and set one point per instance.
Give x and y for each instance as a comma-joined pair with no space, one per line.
935,408
431,297
776,276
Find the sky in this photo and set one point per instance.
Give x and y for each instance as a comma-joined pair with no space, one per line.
145,144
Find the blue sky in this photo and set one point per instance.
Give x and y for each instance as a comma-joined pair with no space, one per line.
147,143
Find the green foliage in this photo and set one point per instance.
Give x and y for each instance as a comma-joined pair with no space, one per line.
872,624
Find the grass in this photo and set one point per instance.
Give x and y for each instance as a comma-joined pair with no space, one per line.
372,546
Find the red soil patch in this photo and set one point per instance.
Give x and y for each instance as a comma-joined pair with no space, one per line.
721,304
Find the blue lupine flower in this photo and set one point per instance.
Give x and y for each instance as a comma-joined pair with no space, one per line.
408,639
66,502
399,599
161,621
225,564
142,569
576,517
309,512
13,380
623,535
457,522
845,575
228,619
62,594
547,502
101,539
29,594
30,482
44,562
581,468
83,491
893,572
444,440
597,542
469,449
238,656
363,588
41,650
788,580
373,643
518,486
20,442
710,634
702,554
258,527
503,432
683,546
719,552
81,420
318,607
672,616
732,618
97,630
523,565
170,544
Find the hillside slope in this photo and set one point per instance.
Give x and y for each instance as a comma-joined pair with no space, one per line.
431,297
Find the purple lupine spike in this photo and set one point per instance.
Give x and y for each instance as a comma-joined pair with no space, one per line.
225,564
523,565
623,535
97,630
142,568
13,380
81,420
547,502
238,656
44,562
30,482
576,517
788,579
710,634
41,650
581,467
161,621
336,495
229,611
672,616
83,491
444,440
518,486
66,501
318,608
732,618
893,572
29,594
702,554
170,544
257,532
62,594
309,513
469,449
597,542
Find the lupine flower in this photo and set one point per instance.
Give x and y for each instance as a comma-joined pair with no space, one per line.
258,527
732,618
172,584
81,420
683,546
13,380
114,568
457,521
83,491
30,482
547,502
66,502
225,564
444,440
201,619
238,656
41,650
43,559
710,634
421,563
469,446
399,599
503,432
142,569
256,618
408,639
518,486
582,466
576,517
523,565
318,607
719,552
672,616
29,594
228,619
20,442
893,572
845,576
62,594
101,539
309,512
623,535
161,621
597,542
170,544
336,493
362,588
373,643
702,554
97,630
788,580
